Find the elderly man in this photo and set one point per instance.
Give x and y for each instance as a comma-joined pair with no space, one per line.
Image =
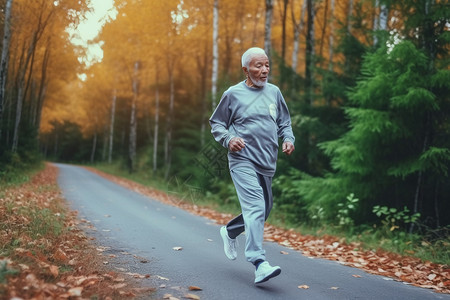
250,118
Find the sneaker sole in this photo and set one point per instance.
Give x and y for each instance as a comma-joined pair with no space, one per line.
271,275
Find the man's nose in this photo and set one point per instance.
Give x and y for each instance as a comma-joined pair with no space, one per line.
265,69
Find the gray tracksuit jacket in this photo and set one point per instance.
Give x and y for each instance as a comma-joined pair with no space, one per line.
260,117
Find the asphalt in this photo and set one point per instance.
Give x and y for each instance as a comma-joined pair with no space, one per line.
141,235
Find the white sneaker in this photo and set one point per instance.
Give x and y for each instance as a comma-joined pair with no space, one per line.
265,272
229,244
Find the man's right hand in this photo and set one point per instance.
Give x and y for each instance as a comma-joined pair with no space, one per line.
236,144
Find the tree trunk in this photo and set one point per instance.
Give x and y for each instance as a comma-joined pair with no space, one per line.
111,125
168,144
202,64
94,147
268,28
283,33
349,15
324,28
331,38
436,205
21,91
215,54
156,129
379,20
309,65
5,58
298,28
42,87
133,120
420,175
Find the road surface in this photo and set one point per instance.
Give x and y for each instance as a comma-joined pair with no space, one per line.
139,235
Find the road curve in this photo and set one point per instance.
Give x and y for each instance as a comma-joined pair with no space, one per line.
139,235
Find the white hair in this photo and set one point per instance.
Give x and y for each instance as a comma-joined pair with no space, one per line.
249,54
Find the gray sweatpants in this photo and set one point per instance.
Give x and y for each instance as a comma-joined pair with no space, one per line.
255,196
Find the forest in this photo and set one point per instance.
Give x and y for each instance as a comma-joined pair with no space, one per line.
367,83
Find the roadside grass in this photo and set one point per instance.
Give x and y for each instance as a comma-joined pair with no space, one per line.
368,237
13,175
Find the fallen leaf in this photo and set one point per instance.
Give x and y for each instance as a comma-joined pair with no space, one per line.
194,288
431,276
303,286
54,270
119,286
191,296
357,276
75,292
334,288
284,252
177,248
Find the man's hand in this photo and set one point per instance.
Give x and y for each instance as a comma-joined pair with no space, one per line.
236,144
288,148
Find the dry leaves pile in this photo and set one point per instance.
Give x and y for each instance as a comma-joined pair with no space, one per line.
403,268
37,264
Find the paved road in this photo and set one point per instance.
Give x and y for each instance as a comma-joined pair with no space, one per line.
141,233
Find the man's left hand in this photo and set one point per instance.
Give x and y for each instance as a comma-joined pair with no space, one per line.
288,148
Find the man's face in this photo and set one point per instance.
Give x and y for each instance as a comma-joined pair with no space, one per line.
258,70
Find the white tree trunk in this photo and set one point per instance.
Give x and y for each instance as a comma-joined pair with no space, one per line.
298,28
379,20
215,62
111,125
268,27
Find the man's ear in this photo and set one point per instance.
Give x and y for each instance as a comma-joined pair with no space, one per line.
245,70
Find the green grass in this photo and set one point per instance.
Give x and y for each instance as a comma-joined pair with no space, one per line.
5,272
16,175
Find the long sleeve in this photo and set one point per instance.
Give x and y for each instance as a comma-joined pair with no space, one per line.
284,122
220,122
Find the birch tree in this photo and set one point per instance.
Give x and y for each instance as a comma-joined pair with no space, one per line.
268,28
215,54
379,20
